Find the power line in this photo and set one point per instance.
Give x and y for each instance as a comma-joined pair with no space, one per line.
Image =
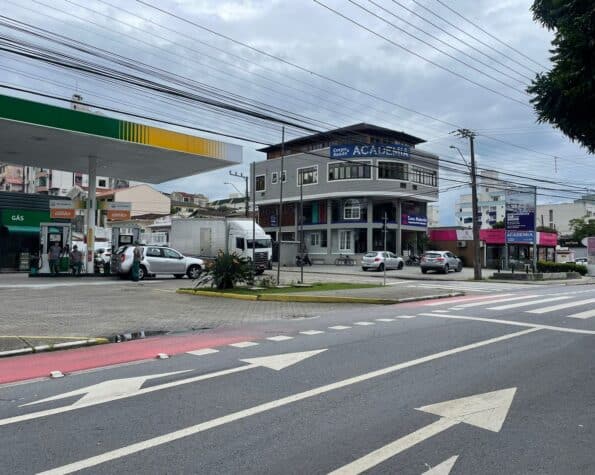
490,35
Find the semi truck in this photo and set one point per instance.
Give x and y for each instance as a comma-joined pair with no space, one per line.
205,237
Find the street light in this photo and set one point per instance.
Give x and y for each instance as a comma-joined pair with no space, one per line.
461,154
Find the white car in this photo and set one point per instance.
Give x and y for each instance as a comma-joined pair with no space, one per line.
379,260
159,260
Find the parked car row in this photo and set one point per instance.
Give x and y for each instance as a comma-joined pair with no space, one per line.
439,261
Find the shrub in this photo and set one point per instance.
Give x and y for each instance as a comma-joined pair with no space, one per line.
546,266
228,270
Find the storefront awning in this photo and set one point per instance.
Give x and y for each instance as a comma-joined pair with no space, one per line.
23,229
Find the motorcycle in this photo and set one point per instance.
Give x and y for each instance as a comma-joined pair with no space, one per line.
302,261
412,260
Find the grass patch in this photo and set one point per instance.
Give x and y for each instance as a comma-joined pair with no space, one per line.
318,287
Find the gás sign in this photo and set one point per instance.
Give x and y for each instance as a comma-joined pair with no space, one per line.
369,150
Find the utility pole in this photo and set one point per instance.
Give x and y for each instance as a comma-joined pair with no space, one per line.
468,134
301,228
384,228
241,175
280,217
253,220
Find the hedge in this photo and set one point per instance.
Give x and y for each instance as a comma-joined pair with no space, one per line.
546,266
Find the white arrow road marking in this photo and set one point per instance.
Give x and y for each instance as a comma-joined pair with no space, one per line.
583,315
112,390
487,411
444,468
235,416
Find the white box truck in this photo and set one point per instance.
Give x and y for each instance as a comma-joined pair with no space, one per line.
205,237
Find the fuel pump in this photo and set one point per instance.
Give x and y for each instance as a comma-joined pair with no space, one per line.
50,233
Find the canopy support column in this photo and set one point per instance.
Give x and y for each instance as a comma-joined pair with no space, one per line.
91,214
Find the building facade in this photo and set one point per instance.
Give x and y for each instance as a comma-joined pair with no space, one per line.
491,204
558,215
350,180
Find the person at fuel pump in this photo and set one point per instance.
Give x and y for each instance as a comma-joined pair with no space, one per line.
54,253
136,258
76,260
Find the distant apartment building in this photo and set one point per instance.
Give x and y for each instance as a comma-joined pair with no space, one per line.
190,198
491,205
236,203
12,177
351,179
559,215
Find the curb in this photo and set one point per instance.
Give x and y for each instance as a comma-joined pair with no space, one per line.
396,276
316,298
53,347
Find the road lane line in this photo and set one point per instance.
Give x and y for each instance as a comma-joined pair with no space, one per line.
339,327
243,344
364,324
466,299
235,416
527,304
583,315
489,302
405,316
203,352
385,319
561,306
280,338
311,332
511,322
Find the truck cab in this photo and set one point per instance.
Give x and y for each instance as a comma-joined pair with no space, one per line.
240,241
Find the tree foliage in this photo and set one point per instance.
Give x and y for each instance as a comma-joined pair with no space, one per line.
229,269
499,225
581,228
565,95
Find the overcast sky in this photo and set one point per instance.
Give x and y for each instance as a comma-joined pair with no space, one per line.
334,73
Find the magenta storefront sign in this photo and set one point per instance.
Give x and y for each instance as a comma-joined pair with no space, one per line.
547,239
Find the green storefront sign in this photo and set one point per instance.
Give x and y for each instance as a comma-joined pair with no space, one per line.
15,218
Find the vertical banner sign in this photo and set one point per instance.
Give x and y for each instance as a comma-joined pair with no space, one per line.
520,215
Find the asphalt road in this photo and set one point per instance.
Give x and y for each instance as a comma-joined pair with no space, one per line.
384,396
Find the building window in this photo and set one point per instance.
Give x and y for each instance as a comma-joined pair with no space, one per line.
551,215
344,241
274,178
101,184
351,209
315,239
392,171
423,176
349,171
307,176
403,185
260,183
414,187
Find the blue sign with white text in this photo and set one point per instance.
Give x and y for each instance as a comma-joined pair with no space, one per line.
520,237
395,150
414,220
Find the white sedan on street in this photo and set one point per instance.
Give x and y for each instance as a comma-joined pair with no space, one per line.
380,260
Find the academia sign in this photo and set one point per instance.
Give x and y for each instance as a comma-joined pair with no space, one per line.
520,209
369,150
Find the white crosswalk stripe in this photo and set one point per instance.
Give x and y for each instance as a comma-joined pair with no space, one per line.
561,306
472,287
464,299
498,300
527,304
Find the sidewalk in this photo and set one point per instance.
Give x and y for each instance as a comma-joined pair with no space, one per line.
40,314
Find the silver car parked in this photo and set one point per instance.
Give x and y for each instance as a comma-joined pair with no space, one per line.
440,261
159,260
379,260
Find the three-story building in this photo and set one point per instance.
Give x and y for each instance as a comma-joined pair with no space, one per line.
351,179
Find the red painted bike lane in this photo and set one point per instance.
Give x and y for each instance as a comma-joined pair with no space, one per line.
21,368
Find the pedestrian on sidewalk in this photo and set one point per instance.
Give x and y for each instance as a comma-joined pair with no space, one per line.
76,260
54,253
136,258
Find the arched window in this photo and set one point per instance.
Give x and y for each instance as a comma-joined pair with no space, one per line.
351,209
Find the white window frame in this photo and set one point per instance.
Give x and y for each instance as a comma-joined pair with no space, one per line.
314,239
256,181
345,235
274,178
352,208
305,168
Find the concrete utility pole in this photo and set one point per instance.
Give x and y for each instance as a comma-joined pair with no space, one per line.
280,217
241,175
468,134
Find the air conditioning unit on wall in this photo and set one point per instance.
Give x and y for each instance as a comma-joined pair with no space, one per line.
461,244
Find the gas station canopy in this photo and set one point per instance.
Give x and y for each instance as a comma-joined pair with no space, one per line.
47,136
